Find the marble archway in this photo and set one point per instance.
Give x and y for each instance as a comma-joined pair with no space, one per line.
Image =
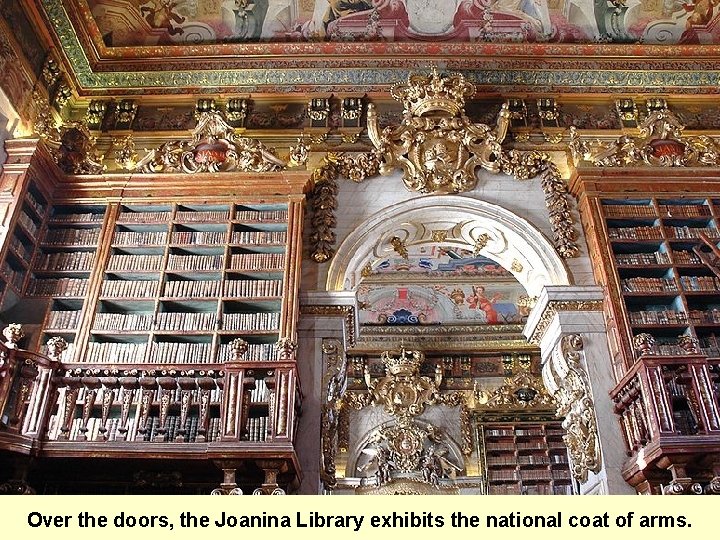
461,221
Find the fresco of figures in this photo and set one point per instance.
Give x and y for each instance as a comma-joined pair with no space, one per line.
440,285
125,23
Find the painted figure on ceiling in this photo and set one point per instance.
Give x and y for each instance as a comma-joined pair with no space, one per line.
161,14
478,300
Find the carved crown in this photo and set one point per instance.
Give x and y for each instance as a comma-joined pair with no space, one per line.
403,362
428,93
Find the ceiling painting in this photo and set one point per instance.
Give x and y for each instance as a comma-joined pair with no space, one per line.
133,23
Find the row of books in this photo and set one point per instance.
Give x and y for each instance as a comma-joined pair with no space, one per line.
684,210
202,216
256,429
658,317
129,322
87,237
535,474
265,215
119,262
251,321
130,288
195,262
199,237
174,289
253,288
502,432
115,353
73,260
134,238
27,222
173,352
63,320
143,217
22,248
257,261
644,284
78,218
700,283
535,432
709,316
36,205
58,287
691,232
500,461
16,276
686,257
635,233
628,210
136,396
658,257
259,237
531,445
533,459
500,475
257,352
174,320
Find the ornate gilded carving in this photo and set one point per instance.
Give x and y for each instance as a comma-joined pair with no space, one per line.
403,392
399,246
77,153
13,333
409,450
213,148
286,348
44,124
55,347
554,307
526,165
660,144
323,202
238,347
125,154
644,343
436,145
335,384
567,382
521,391
300,153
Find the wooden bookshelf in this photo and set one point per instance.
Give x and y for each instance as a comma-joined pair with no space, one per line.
642,227
525,458
150,290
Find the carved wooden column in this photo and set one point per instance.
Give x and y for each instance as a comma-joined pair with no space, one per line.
567,323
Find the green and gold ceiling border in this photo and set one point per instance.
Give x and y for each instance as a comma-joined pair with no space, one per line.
586,74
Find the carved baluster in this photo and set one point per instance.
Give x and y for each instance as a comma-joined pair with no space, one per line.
168,385
128,385
207,385
109,386
148,387
91,385
72,385
187,388
27,374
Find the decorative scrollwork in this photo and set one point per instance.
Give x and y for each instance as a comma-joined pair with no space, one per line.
213,148
567,381
436,145
526,165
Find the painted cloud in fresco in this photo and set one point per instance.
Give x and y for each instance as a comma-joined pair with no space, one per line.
125,23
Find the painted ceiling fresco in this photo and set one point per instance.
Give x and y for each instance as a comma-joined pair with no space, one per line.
437,285
131,23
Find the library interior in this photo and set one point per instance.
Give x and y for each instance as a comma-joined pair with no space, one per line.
360,247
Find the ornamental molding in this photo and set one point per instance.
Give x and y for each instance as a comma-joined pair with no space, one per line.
347,312
567,381
659,144
553,307
214,147
436,146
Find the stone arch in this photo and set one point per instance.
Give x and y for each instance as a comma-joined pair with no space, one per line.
511,241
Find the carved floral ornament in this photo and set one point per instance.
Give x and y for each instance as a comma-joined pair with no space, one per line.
213,148
659,144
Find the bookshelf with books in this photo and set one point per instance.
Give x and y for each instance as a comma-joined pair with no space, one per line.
650,237
525,458
178,304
